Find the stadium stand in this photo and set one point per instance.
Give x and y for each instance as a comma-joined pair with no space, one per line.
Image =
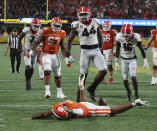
117,9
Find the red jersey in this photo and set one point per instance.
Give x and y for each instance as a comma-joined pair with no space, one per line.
108,38
154,34
59,112
52,40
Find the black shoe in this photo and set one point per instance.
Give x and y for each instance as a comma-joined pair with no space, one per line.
92,93
13,72
28,85
17,71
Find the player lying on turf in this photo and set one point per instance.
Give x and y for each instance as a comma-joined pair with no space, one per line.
69,109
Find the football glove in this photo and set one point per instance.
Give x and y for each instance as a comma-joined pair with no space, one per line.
145,65
68,61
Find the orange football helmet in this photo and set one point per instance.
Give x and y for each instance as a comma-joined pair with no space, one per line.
84,14
56,24
106,25
35,25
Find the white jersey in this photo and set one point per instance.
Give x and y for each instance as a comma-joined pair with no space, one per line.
87,34
128,47
29,37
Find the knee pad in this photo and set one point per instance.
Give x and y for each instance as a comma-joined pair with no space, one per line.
57,79
47,74
110,68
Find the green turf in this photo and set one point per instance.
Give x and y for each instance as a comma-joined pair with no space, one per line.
16,103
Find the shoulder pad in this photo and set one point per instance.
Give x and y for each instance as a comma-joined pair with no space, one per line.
137,36
63,32
152,31
44,30
96,20
26,29
75,25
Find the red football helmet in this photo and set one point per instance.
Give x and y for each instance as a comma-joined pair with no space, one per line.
56,24
84,14
35,25
106,25
127,30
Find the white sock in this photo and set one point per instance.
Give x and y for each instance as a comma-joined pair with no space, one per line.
47,87
153,78
59,90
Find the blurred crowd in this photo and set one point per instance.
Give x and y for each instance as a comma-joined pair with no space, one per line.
117,9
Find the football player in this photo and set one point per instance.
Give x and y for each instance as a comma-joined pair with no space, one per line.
108,36
29,33
52,38
69,109
89,35
153,37
127,40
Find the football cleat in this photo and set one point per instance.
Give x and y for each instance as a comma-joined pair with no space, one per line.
61,95
47,94
81,83
139,102
110,80
153,82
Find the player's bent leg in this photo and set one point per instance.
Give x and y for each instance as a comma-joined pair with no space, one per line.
60,93
91,89
47,76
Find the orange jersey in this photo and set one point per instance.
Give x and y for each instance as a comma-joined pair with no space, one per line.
60,112
108,38
52,40
154,33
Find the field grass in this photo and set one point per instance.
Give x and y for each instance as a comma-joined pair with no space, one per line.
16,103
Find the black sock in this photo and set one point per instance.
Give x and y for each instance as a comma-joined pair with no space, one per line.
31,73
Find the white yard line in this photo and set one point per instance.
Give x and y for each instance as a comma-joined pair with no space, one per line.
2,125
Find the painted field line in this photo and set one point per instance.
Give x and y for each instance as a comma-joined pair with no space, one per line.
2,125
1,119
99,90
154,106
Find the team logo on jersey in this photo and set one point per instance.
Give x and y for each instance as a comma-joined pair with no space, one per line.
81,26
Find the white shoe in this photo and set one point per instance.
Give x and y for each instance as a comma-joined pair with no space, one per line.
139,102
156,81
47,94
61,95
153,82
81,81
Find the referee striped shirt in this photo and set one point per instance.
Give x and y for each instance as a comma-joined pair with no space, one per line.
13,42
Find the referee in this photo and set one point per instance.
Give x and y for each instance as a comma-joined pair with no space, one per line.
15,53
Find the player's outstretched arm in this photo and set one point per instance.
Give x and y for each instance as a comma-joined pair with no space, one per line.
139,45
39,116
117,55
